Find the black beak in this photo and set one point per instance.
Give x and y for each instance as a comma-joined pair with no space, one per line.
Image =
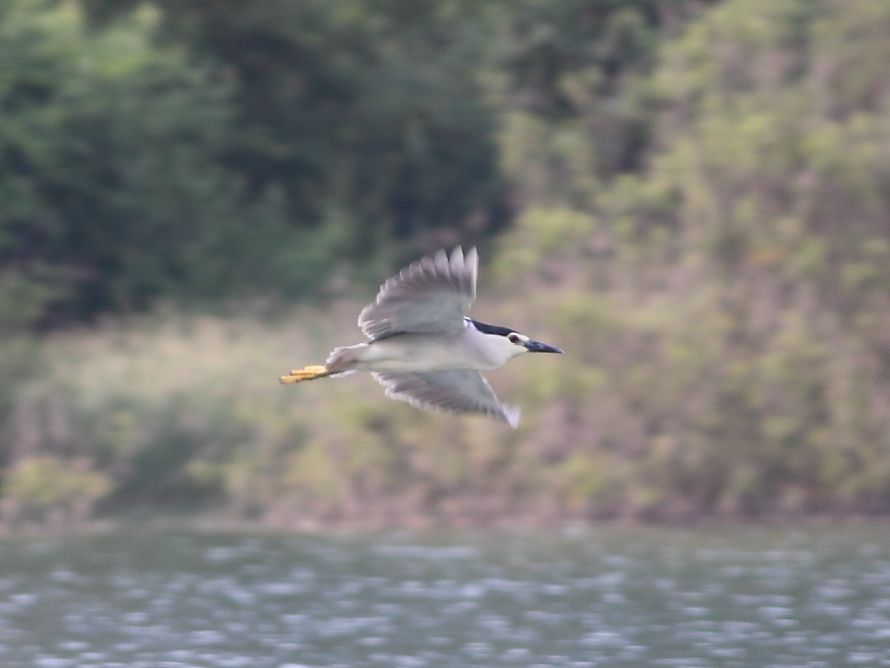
538,347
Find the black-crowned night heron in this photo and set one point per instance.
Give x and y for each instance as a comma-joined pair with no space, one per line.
423,348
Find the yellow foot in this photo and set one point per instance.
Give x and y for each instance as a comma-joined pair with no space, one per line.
310,372
311,369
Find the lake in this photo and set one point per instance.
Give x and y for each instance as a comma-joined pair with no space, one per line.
609,596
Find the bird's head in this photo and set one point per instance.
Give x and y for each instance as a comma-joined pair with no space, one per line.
513,343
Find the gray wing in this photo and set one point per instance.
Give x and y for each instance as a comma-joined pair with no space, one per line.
457,391
429,296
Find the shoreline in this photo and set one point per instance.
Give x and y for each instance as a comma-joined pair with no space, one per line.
211,523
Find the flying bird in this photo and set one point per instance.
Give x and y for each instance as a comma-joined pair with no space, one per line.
424,348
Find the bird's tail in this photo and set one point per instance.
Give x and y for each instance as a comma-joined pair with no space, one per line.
339,363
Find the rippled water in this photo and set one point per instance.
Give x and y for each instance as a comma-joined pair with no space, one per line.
605,597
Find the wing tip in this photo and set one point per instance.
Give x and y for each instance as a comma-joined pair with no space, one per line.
457,259
511,415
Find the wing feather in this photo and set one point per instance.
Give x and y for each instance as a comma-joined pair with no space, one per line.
456,391
429,296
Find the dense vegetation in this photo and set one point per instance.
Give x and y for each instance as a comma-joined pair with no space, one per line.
690,198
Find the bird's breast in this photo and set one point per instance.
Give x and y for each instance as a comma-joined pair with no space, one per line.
422,352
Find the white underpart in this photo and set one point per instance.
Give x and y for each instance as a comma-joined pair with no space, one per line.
470,349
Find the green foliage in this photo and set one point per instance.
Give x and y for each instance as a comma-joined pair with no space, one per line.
188,411
112,196
577,109
19,359
370,109
173,150
702,224
48,490
740,277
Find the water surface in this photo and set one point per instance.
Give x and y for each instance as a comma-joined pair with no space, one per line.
742,596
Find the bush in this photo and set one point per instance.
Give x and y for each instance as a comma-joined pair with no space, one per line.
51,491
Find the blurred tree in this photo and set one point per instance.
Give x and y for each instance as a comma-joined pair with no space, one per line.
703,190
577,109
46,490
112,190
368,111
195,150
740,327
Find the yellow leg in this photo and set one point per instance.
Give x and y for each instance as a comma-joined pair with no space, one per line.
310,372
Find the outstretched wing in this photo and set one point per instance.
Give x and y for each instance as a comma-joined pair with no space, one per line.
457,391
430,296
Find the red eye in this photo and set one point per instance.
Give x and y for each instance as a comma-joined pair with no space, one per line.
514,338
